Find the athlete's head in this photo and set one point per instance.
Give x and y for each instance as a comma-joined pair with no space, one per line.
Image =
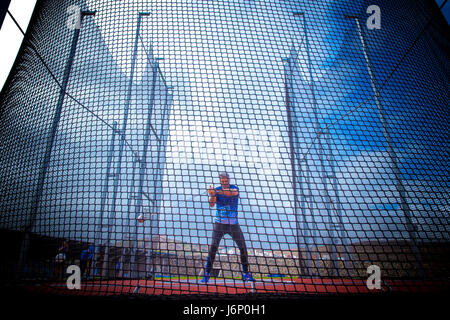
224,180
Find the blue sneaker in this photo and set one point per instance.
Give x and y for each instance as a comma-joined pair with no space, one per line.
247,277
205,278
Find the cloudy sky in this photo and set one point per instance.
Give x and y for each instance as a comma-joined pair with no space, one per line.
226,66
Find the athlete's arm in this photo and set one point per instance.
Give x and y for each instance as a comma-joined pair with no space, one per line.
230,192
212,196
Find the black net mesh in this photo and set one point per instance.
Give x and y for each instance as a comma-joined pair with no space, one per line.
118,117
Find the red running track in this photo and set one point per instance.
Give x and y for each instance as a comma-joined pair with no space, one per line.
236,287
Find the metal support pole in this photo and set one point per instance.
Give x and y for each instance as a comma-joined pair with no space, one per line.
133,218
324,174
49,147
136,211
313,234
166,111
287,87
103,200
393,156
111,215
157,180
347,255
306,226
143,162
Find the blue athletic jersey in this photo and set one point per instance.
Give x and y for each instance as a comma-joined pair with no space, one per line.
227,207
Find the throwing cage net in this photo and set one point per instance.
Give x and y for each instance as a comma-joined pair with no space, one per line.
331,118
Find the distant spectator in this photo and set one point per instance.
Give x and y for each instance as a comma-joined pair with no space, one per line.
86,258
60,259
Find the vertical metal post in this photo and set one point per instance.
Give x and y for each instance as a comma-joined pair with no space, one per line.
157,182
329,207
324,174
287,87
3,10
133,218
103,201
340,223
306,224
143,162
313,234
49,146
326,197
111,214
393,156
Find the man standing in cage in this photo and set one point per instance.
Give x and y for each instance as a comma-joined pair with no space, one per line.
226,199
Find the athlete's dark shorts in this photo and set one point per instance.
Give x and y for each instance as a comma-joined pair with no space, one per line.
234,230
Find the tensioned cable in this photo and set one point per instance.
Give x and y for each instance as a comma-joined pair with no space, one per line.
327,127
318,134
70,96
381,87
149,58
17,24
